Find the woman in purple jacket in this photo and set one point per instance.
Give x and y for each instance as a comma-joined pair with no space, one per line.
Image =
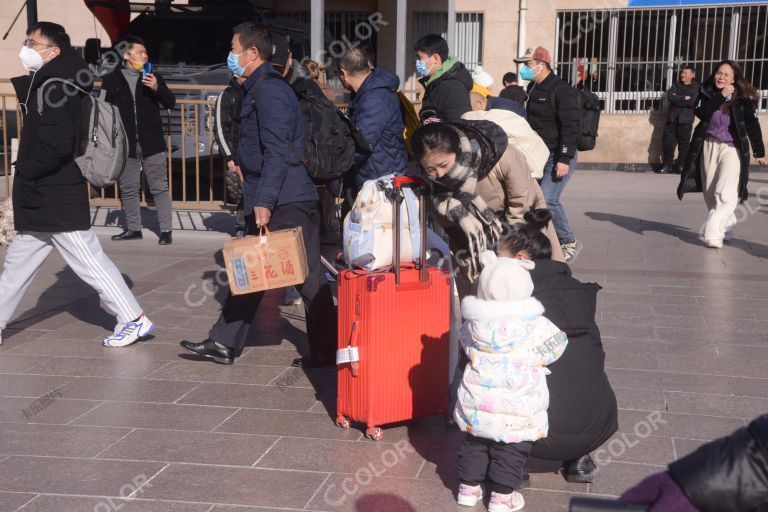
718,163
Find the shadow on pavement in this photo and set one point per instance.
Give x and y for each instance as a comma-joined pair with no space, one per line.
381,502
640,226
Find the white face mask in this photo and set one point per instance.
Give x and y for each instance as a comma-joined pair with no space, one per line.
30,59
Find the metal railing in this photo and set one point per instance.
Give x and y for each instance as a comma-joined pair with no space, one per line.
630,57
196,179
196,171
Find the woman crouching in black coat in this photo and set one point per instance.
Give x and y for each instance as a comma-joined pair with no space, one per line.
582,406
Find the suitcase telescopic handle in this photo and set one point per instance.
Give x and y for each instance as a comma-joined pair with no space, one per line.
398,183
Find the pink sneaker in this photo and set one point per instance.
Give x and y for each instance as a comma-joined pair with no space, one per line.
469,495
506,502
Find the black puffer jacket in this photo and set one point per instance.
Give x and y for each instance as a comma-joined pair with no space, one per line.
730,473
448,94
147,111
744,128
49,192
514,93
553,113
582,406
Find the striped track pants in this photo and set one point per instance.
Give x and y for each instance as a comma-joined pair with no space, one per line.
84,255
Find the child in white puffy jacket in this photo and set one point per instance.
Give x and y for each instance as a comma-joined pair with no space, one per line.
503,398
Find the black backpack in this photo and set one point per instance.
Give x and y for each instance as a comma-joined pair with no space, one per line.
330,140
589,109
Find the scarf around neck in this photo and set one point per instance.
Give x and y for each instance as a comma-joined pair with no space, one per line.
456,198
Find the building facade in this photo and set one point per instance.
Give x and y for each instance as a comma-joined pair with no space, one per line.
627,51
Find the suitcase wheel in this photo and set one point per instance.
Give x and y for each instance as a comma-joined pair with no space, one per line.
343,422
374,433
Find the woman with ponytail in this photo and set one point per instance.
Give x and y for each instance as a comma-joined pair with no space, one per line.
582,406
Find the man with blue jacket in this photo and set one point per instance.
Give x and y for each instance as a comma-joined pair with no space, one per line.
278,193
375,112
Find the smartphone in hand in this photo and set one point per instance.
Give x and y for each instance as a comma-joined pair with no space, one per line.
147,69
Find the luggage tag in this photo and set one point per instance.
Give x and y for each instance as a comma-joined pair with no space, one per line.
347,355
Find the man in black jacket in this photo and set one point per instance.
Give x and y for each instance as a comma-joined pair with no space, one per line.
446,81
50,195
138,96
677,132
511,90
553,113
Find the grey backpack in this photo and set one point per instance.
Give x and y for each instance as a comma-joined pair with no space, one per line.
104,143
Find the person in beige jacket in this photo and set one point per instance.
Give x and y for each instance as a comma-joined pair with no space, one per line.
510,191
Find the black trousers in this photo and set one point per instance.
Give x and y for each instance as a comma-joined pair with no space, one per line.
501,464
676,134
234,324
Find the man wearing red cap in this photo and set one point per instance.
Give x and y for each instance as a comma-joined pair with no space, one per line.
553,112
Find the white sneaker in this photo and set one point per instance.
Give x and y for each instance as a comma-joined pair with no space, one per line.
506,502
714,244
469,495
571,251
130,332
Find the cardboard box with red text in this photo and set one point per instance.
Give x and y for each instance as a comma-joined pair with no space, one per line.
272,260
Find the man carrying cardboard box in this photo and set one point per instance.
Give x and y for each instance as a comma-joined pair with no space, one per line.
278,193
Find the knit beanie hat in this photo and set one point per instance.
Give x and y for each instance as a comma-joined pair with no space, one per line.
504,279
481,77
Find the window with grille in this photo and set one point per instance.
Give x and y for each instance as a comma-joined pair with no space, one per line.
469,33
630,57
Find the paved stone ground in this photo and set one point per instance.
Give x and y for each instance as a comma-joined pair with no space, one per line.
684,328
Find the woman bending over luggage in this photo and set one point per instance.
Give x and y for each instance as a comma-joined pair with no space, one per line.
503,397
582,417
479,184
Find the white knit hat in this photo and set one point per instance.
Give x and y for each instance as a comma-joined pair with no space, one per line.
481,77
504,279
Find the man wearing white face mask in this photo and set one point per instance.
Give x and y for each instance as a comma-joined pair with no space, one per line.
50,196
553,113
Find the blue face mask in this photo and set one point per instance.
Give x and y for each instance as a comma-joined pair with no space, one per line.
527,73
421,68
234,65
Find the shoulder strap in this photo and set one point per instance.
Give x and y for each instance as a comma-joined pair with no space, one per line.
52,80
552,101
296,153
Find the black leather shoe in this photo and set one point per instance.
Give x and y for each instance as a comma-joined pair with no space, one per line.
166,238
312,362
211,350
667,169
128,235
580,471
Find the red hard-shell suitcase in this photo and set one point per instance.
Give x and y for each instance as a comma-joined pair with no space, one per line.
393,339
